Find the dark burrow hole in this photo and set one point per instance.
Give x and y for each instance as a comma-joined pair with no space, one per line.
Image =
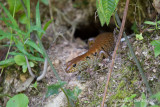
93,28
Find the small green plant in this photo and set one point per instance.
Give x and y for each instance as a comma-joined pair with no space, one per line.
135,30
20,60
35,85
71,95
155,43
156,97
53,89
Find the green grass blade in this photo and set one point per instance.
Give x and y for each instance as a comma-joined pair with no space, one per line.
150,23
4,35
15,53
38,20
46,26
7,62
28,18
36,28
20,47
29,56
33,58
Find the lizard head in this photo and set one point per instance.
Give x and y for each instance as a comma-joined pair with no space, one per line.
72,66
77,64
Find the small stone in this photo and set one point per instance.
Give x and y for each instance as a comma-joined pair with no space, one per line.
151,78
56,62
101,79
23,77
154,70
136,53
115,66
144,53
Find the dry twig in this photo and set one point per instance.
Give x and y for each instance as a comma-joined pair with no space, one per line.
115,50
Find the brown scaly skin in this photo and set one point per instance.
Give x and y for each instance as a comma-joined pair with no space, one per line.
101,46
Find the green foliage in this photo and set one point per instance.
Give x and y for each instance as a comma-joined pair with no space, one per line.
21,38
156,43
10,17
19,100
152,23
30,56
53,89
22,19
4,35
156,24
142,102
15,5
105,9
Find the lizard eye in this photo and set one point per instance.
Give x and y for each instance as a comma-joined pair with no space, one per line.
95,54
74,65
